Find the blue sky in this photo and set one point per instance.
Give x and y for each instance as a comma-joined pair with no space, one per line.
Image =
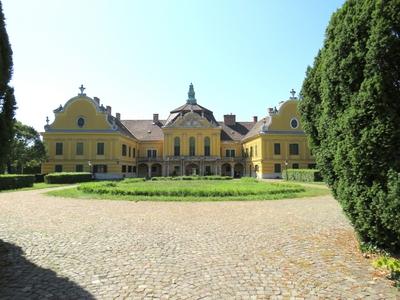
140,56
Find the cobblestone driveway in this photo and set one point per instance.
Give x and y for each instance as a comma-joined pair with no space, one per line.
64,248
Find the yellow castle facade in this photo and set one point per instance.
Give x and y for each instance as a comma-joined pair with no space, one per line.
86,137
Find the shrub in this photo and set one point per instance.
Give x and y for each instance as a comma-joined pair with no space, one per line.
392,265
68,177
350,110
305,175
39,177
9,182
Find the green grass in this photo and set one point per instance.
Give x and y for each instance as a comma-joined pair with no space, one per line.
36,186
198,190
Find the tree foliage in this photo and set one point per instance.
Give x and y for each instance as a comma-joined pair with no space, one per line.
7,99
27,150
351,112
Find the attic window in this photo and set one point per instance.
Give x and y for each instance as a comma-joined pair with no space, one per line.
294,123
80,122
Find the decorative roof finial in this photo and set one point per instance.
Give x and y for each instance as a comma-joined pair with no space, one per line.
191,99
293,92
47,120
82,88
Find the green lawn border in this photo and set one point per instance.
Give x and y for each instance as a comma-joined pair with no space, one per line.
36,186
75,193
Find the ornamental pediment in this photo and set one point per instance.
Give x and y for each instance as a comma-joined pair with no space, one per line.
191,120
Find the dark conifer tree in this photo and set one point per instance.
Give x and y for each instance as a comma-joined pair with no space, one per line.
351,112
7,99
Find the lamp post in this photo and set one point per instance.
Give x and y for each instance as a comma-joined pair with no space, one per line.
90,167
286,164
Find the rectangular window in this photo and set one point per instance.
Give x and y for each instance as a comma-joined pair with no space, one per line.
134,152
151,153
123,169
295,166
177,150
207,151
208,170
130,151
100,149
277,149
134,169
294,149
177,171
79,148
129,169
100,169
58,168
79,168
59,148
312,166
230,153
192,146
123,150
251,151
277,168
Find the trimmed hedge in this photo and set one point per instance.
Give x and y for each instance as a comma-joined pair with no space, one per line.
68,177
39,178
10,182
305,175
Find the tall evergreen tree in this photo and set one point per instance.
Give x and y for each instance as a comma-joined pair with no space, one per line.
351,112
7,99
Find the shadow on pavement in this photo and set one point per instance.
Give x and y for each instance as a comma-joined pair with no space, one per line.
21,279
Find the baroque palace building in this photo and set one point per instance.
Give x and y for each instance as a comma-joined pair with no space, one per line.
85,136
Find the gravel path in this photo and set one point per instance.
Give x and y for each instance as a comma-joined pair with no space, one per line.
74,249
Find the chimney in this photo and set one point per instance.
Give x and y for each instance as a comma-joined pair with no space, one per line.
255,119
230,120
155,119
97,100
108,109
271,111
118,115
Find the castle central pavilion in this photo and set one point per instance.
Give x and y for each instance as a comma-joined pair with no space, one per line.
85,136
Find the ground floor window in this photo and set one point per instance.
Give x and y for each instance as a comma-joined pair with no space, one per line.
295,166
277,168
79,168
177,170
129,169
123,169
58,168
312,166
134,169
100,169
208,170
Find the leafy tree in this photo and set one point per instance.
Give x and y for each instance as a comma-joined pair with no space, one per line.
27,150
7,100
351,112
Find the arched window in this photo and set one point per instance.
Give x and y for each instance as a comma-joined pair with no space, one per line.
207,151
177,146
192,146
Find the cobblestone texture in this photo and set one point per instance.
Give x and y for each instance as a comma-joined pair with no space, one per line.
58,248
